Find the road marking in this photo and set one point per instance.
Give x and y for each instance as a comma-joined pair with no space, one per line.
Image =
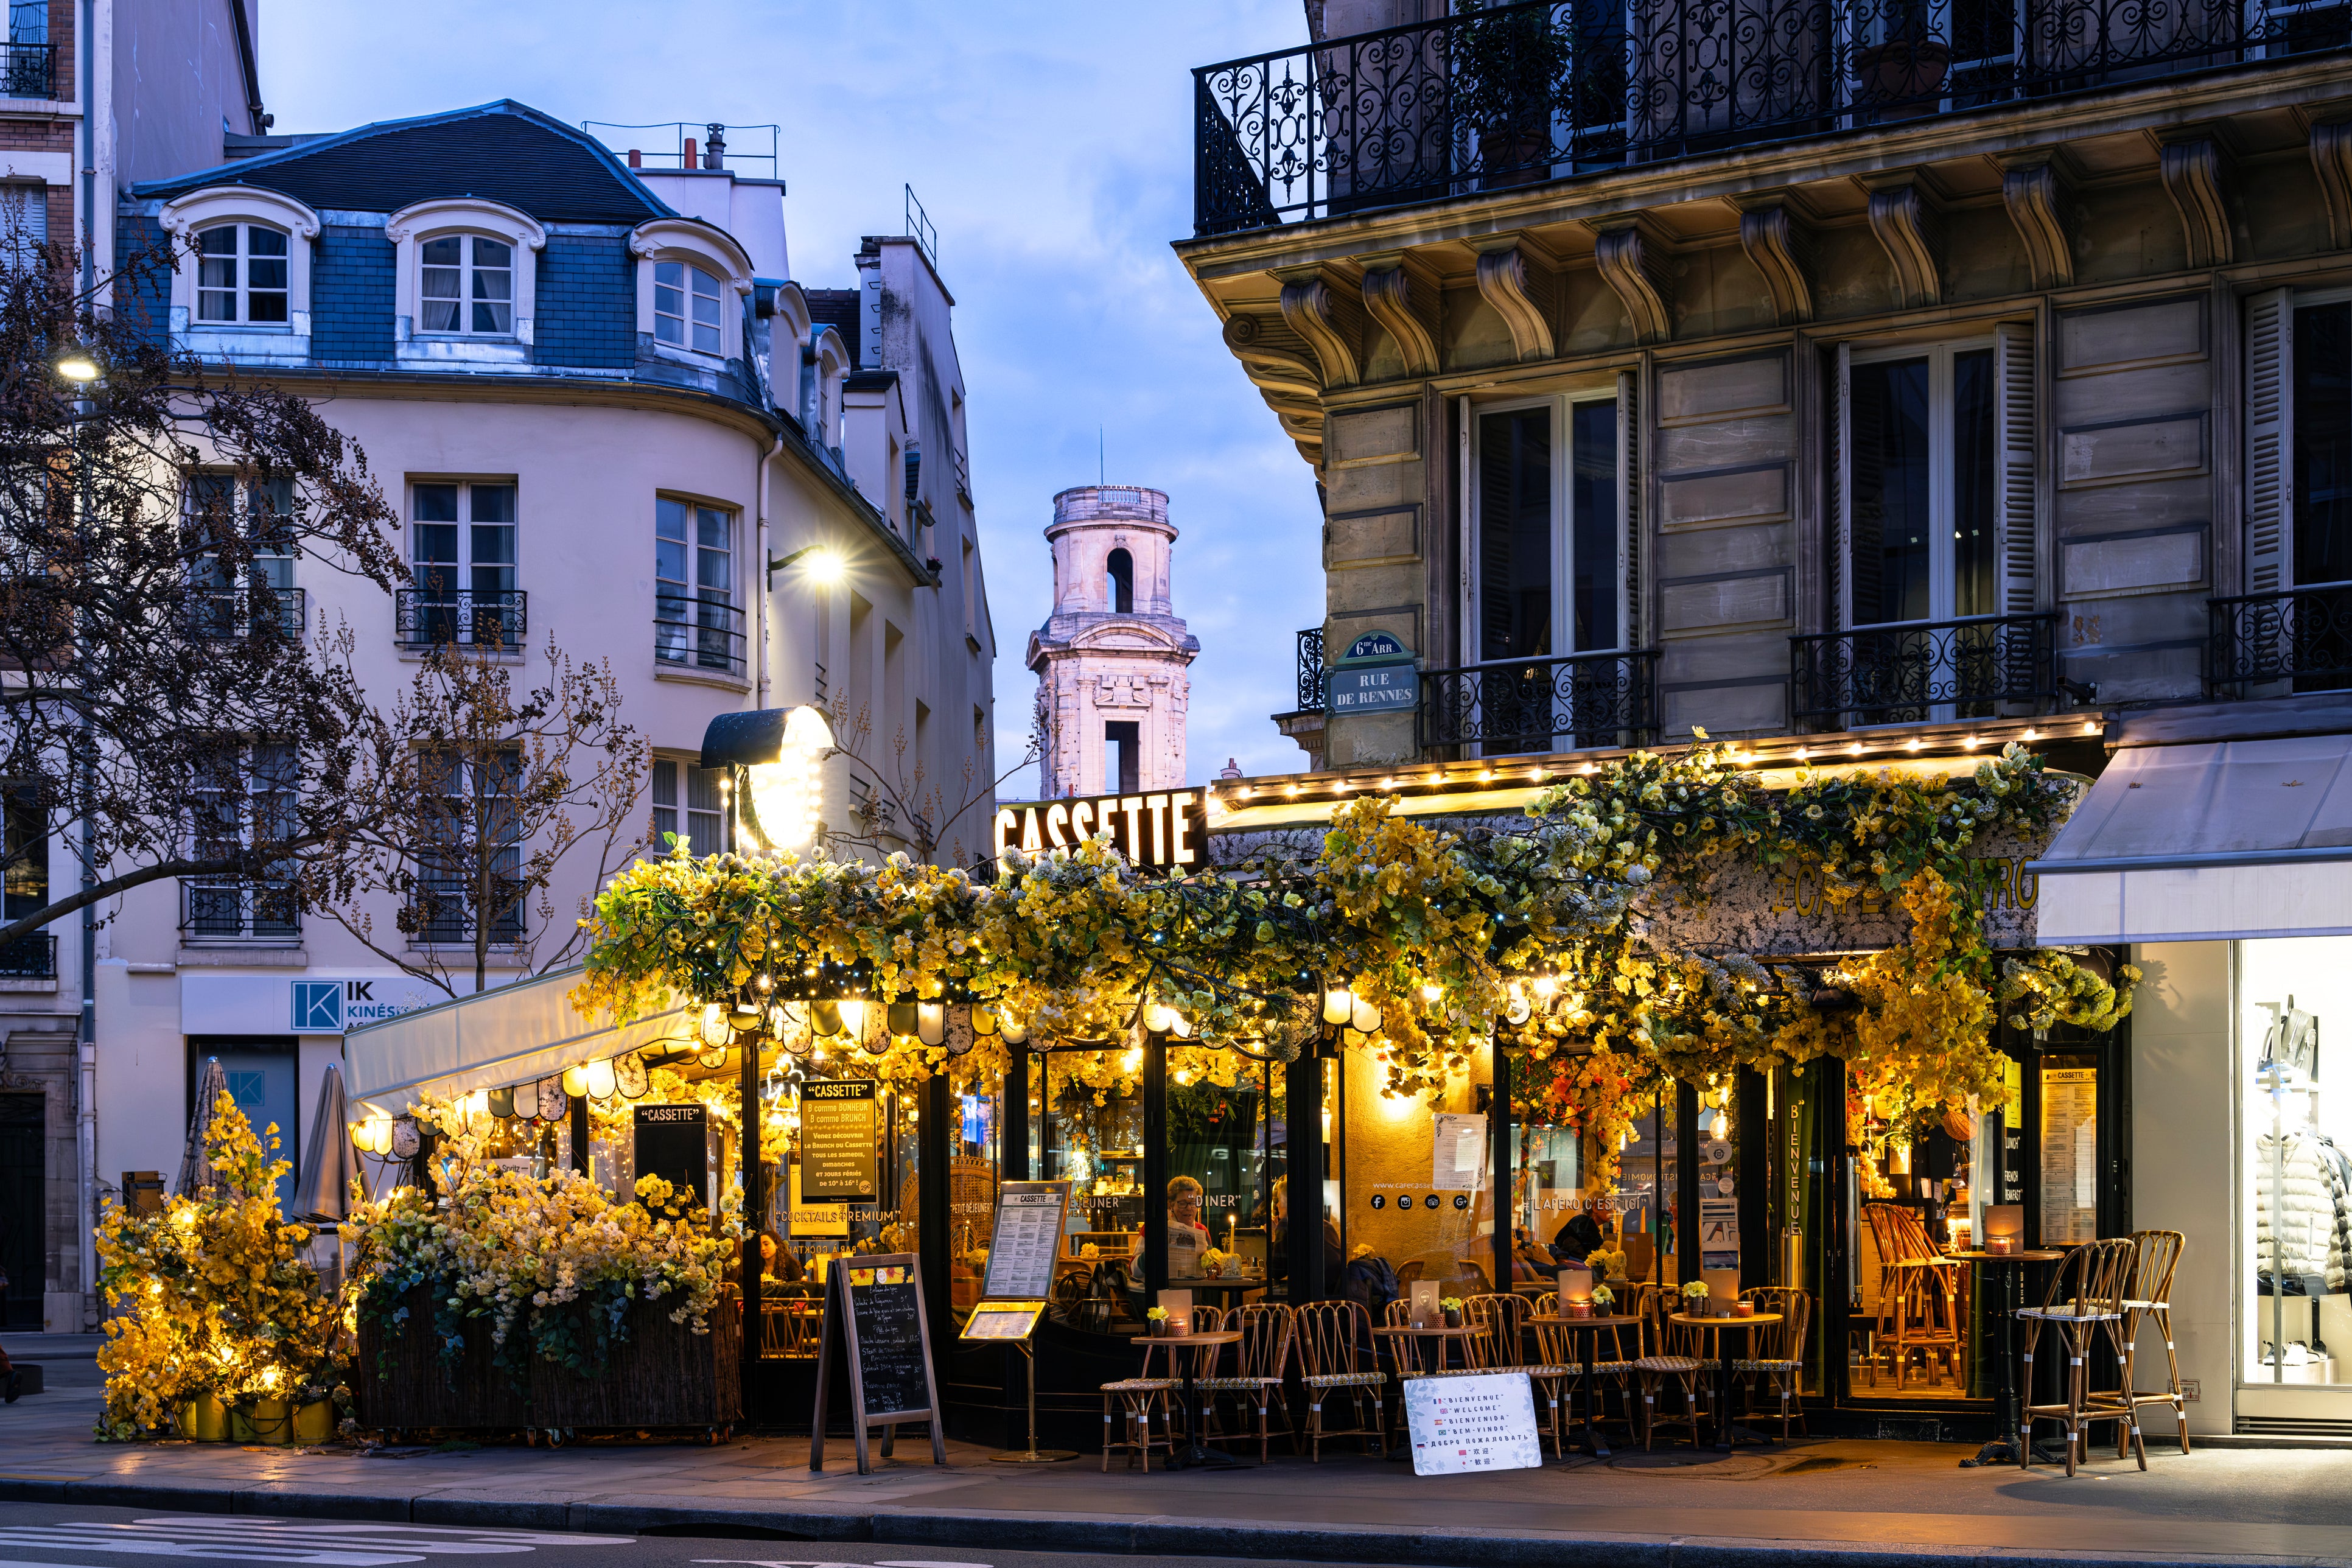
262,1539
811,1562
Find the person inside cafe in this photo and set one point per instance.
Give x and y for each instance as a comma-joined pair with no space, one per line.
1188,1239
1278,1263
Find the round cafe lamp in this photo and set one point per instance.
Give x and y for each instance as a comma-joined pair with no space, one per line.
1365,1017
984,1020
714,1029
1016,1032
1159,1018
902,1018
1339,1004
852,1017
825,1018
932,1022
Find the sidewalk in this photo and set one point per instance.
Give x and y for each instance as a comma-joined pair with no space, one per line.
1850,1503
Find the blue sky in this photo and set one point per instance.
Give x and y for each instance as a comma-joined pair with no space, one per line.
1051,144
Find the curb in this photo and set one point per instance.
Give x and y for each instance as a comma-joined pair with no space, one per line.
1110,1536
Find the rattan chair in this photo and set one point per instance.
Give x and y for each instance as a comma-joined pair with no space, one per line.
1776,1352
1263,1363
2149,1299
1675,1357
1504,1349
2083,1305
1338,1367
1919,1296
1139,1398
1614,1351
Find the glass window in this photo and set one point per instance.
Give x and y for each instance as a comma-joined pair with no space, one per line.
246,800
462,563
1514,534
704,809
467,285
2322,489
686,307
469,866
2295,1126
1922,550
695,620
241,275
1419,1187
257,516
27,850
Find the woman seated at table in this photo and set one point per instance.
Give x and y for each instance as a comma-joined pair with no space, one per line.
1188,1239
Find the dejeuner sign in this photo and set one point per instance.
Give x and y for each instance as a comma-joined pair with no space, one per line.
1156,830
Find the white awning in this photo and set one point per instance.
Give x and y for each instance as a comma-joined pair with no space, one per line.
2206,842
514,1035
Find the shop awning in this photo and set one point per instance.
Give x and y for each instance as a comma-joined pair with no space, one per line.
513,1035
2206,842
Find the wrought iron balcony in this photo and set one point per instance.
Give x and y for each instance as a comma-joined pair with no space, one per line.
1516,705
701,633
1920,670
28,70
1311,690
33,957
222,615
2297,640
1509,95
426,617
226,910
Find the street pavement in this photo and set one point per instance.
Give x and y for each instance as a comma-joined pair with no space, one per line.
1851,1503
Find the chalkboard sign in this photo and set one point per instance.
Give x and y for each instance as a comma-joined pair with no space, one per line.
673,1142
874,1311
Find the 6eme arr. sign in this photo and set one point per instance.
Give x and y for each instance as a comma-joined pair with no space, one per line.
1376,675
1155,830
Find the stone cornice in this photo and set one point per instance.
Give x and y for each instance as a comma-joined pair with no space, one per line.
1632,262
1403,297
2331,160
1779,247
1909,232
2194,171
1515,278
2038,208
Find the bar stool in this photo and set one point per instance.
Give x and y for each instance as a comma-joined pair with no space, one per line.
2085,1302
2150,1300
1920,1288
1334,1340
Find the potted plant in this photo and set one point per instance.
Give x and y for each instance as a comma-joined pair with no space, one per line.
1694,1296
1604,1298
1508,67
1156,1317
1452,1307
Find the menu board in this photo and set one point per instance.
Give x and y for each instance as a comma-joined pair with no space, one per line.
837,1164
2070,1155
1457,1151
1028,1236
1462,1424
1003,1320
673,1141
874,1311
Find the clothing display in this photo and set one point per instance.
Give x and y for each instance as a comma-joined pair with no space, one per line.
2303,1215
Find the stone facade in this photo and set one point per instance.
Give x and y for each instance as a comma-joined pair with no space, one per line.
1111,660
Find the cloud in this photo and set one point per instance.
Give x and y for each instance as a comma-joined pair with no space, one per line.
1051,145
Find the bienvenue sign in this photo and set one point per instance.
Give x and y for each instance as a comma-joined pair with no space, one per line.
1462,1424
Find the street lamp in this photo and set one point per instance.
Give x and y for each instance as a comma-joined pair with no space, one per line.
77,365
825,566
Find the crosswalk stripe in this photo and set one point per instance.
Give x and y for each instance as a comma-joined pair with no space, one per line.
321,1544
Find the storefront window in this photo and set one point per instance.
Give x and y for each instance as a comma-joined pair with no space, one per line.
1217,1139
1419,1187
974,1167
1092,1137
2296,1139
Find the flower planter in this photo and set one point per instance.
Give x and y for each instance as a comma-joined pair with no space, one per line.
205,1420
316,1422
263,1421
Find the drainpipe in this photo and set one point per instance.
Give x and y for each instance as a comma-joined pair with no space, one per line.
86,1046
767,457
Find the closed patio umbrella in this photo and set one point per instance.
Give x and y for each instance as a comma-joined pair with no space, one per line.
195,1164
329,1162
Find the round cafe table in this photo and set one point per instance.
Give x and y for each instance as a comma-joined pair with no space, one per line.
1725,1434
2008,1270
1585,1330
1196,1453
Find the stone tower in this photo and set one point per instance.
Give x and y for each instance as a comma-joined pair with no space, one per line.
1110,660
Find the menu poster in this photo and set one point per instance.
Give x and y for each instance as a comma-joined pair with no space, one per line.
837,1164
2070,1155
1003,1320
1718,1233
1458,1155
1028,1234
1465,1424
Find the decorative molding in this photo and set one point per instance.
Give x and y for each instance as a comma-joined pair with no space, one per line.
2193,175
1783,251
1517,283
1403,297
1632,262
2037,207
1276,362
1330,319
1908,231
2331,160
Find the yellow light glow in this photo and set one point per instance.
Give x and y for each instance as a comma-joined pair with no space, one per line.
1338,1006
1133,1060
1971,742
826,568
1432,992
2090,728
2031,736
76,366
1546,985
788,794
575,1081
601,1080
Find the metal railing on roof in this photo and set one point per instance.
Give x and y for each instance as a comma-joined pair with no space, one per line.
683,144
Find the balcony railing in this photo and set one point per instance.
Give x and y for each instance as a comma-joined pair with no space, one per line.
33,957
28,70
1922,670
426,617
222,615
229,911
700,634
1515,705
2298,640
1512,95
1311,690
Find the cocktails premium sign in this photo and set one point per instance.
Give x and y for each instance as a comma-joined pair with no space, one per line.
1163,829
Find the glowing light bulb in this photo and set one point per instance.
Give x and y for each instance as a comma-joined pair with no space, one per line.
788,793
602,1081
1719,1128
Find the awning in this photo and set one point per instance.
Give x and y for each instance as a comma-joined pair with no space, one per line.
2206,842
514,1035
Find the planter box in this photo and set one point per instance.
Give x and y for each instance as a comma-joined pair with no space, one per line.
663,1374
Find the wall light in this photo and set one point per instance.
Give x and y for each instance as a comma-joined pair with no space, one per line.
788,793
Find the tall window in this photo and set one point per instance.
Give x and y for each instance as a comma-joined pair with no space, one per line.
1925,449
695,618
233,600
462,561
468,285
1122,756
244,800
27,870
241,275
469,863
701,817
2322,485
1122,567
686,307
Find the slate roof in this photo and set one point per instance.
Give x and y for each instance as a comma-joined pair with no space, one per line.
504,151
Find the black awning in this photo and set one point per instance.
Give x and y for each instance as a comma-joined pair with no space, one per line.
744,739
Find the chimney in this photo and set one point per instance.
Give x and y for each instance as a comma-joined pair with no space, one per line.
693,159
715,157
636,159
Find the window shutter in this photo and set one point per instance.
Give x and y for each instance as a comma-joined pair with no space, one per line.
1841,492
2013,482
1629,487
2270,425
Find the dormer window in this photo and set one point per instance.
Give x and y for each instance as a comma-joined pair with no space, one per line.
242,275
467,285
686,307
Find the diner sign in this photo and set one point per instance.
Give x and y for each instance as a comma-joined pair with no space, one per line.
1161,830
838,1165
1460,1425
1028,1236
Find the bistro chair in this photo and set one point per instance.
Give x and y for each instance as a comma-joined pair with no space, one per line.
1776,1352
1614,1351
1417,1357
1139,1398
1919,1296
2149,1299
1675,1356
1263,1362
1504,1349
2083,1305
1337,1366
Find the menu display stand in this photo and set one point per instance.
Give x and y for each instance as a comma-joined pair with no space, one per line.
1022,1248
874,1308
